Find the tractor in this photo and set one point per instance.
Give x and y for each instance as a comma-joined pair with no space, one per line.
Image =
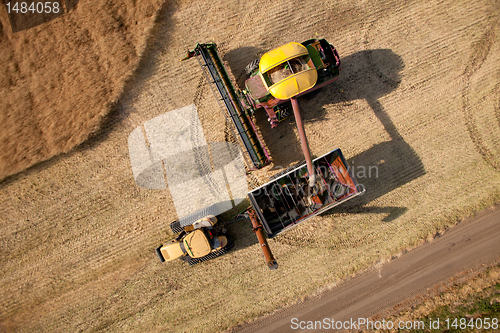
200,241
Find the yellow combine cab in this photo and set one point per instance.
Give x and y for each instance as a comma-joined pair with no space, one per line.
289,71
285,71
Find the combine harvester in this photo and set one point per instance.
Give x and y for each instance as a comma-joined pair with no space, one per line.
293,196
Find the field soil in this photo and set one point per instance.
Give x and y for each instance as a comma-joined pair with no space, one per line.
416,111
60,76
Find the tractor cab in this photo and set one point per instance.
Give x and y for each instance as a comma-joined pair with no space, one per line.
201,242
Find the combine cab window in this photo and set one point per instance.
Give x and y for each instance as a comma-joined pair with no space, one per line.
284,70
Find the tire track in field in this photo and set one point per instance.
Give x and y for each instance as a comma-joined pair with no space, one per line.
480,52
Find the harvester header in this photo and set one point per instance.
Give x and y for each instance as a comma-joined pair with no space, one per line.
231,102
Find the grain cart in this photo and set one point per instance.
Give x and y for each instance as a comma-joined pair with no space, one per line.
288,200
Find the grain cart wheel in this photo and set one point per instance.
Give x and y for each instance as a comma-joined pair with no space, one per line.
252,67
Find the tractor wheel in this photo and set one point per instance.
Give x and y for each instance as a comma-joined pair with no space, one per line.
309,41
251,67
176,227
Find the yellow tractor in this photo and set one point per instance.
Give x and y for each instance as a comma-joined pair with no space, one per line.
200,241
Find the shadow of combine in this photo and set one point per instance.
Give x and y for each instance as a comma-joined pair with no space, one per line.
369,75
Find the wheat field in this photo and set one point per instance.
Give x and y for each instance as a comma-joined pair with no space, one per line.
417,103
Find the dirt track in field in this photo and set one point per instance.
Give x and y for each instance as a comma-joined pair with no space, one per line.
459,254
417,101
